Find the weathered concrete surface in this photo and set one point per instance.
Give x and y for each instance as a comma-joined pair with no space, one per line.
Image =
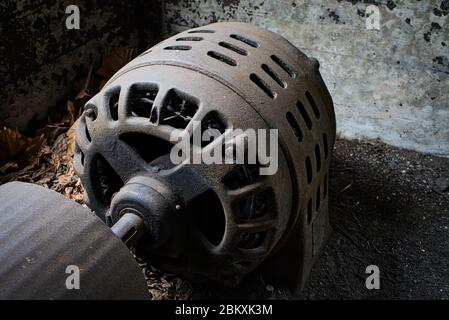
39,57
391,84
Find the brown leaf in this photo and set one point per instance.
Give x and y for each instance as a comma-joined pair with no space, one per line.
71,139
11,165
113,61
16,147
83,95
72,111
64,180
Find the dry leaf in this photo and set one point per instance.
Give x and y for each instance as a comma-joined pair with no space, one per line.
113,61
11,165
72,111
71,139
16,147
82,97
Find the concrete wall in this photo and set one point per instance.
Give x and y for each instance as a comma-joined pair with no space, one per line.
391,83
39,57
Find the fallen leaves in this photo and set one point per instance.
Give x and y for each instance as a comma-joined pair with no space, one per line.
113,61
164,286
47,158
16,149
70,134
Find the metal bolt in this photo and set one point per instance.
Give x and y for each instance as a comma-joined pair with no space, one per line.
90,113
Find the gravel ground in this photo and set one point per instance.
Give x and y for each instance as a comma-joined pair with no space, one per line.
389,207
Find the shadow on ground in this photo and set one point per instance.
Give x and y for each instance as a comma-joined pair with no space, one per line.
386,209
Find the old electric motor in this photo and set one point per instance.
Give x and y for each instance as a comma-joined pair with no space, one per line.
213,221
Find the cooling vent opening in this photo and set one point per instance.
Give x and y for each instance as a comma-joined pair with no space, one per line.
178,109
141,99
245,40
312,103
113,104
234,48
214,122
252,240
309,170
179,48
242,176
309,211
274,76
285,66
255,207
294,125
148,147
190,39
317,157
302,110
91,110
208,215
202,31
262,85
223,58
105,180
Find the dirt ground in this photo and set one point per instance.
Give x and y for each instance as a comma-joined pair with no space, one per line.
389,207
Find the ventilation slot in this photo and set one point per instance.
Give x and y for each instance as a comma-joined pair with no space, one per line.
325,186
318,157
222,58
294,125
262,85
178,109
304,114
141,99
284,65
309,170
309,211
105,180
243,39
113,105
234,48
149,148
317,199
326,150
190,39
91,111
182,48
202,31
242,176
312,103
211,121
208,215
251,240
274,75
255,207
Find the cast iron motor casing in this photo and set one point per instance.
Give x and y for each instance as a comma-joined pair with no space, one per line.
231,75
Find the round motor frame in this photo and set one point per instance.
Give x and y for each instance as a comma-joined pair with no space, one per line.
215,221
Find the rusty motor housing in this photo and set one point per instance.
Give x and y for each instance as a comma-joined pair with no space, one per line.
216,221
